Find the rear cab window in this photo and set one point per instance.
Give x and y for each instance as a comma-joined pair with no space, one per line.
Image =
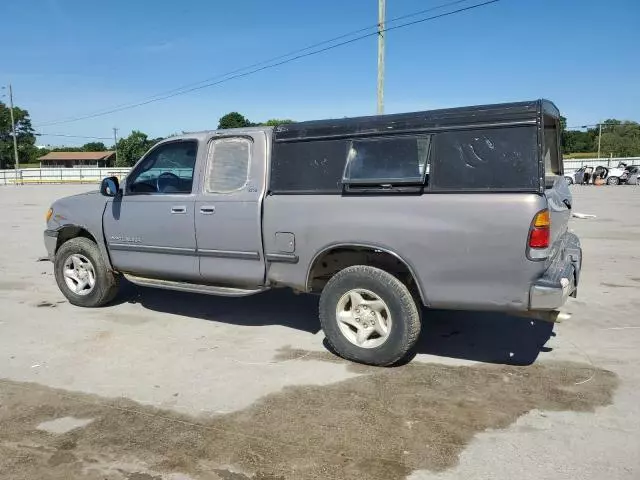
228,162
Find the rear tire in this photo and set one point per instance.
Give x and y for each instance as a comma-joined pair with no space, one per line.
105,283
393,327
613,181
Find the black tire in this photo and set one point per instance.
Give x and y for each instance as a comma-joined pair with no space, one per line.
107,283
613,181
569,180
405,327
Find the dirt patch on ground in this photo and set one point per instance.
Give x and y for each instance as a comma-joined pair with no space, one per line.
383,424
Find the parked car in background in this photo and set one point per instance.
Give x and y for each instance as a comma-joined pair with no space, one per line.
569,176
581,176
615,175
630,175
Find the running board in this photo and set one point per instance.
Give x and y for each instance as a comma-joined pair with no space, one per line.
191,287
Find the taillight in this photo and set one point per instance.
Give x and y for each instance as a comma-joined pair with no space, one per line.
540,235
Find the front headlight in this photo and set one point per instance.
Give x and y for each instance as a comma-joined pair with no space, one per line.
47,217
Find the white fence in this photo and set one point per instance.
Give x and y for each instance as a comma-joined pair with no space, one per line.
574,163
26,176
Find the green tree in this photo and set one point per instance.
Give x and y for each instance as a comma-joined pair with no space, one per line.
94,147
67,149
27,152
620,138
133,147
576,141
563,124
274,122
233,120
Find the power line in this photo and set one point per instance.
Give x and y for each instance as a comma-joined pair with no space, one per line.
273,59
69,136
578,127
263,62
268,64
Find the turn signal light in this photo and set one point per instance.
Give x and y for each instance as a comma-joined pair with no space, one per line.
540,235
542,219
48,215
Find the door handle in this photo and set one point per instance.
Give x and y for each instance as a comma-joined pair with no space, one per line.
207,210
179,209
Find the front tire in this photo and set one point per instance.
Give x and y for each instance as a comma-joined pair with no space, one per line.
613,181
82,275
369,316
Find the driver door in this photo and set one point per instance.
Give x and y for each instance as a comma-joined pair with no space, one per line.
149,229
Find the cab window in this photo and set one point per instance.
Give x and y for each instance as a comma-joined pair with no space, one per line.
167,169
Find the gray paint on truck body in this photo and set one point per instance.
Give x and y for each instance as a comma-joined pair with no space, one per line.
467,251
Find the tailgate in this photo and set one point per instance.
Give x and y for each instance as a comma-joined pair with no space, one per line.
562,273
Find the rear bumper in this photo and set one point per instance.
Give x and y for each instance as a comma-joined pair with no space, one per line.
560,280
50,242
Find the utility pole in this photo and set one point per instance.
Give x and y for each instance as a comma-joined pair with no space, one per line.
13,129
381,35
599,137
115,142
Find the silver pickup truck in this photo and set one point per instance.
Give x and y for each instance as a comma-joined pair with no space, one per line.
462,208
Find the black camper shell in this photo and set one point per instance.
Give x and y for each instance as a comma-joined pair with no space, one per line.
511,147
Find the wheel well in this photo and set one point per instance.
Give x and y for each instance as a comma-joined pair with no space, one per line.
72,231
328,263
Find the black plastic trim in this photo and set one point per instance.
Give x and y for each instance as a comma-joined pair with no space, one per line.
282,258
125,247
240,255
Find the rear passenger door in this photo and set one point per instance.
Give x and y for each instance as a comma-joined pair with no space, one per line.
228,211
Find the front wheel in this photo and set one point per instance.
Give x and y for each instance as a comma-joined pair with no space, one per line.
82,275
369,316
613,181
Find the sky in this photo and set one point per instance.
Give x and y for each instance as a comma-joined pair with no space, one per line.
69,58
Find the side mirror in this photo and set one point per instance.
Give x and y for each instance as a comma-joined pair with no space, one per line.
109,186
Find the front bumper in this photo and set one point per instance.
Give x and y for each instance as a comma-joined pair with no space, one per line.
560,281
50,242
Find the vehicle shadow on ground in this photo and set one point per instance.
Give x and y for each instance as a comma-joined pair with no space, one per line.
480,336
274,307
483,336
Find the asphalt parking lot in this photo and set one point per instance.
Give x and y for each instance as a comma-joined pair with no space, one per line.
165,385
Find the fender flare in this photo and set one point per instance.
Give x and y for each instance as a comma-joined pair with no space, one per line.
98,239
369,246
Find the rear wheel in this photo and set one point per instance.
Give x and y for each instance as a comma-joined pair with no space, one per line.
82,275
369,316
613,181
